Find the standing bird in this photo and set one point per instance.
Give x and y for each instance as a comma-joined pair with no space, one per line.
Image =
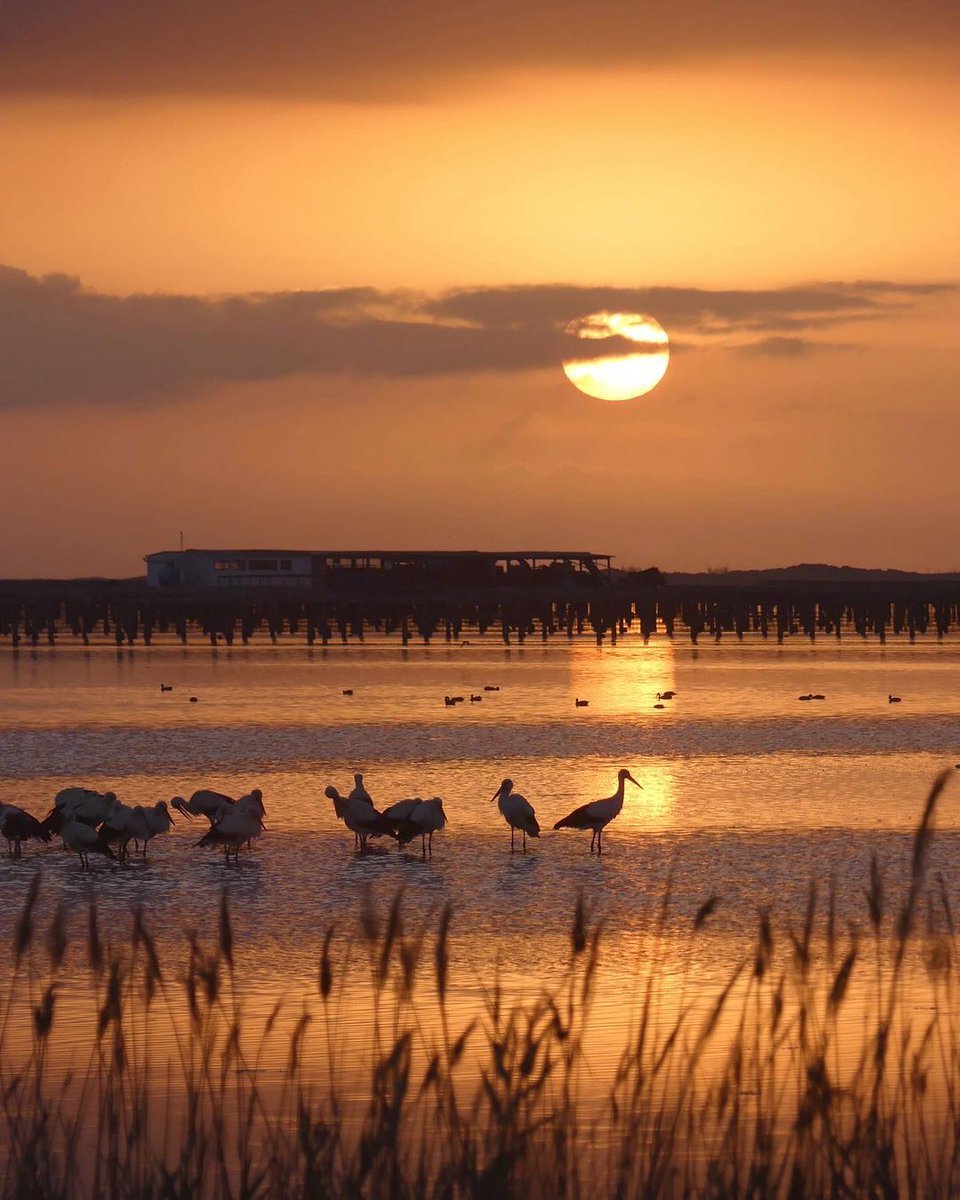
120,828
359,791
85,840
517,811
361,818
17,826
236,827
424,821
204,803
598,813
148,822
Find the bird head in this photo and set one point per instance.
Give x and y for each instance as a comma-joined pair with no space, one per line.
503,789
331,792
625,774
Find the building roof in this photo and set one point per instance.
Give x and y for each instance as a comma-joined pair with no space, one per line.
490,554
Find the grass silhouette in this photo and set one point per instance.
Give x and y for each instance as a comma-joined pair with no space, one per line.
753,1094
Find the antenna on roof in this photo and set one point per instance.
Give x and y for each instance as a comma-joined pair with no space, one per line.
181,541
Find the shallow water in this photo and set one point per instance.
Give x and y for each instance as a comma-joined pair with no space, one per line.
748,793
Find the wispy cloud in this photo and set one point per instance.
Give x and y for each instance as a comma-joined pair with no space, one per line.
63,343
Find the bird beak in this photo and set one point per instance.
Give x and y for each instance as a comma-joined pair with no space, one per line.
496,793
632,780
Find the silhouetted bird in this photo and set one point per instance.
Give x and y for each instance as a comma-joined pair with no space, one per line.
598,813
893,699
581,703
517,811
665,695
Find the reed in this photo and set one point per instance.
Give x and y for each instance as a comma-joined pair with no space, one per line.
749,1091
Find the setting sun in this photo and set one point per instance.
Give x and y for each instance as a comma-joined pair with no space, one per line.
616,376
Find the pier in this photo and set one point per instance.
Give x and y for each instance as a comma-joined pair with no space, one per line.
606,607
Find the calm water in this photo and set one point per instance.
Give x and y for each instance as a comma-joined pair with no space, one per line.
747,793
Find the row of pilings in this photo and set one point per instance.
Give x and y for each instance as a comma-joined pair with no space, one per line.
93,613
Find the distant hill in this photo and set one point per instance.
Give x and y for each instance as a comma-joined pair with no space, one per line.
804,573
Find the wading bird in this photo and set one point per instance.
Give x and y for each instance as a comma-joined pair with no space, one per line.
424,821
204,803
598,813
360,817
148,822
517,811
18,826
234,829
85,840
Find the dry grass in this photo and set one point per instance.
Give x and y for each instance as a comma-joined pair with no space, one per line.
752,1095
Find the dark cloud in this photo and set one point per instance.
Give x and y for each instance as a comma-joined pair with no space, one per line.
375,49
778,346
61,343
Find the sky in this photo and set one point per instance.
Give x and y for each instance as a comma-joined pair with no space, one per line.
296,275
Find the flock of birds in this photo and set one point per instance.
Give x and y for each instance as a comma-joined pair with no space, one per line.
90,822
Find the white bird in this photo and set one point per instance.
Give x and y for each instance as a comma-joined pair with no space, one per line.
252,801
120,828
359,791
85,840
361,818
517,811
401,809
598,813
86,805
204,803
17,826
148,822
424,821
234,829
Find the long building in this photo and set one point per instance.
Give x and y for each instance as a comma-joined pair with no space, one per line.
327,568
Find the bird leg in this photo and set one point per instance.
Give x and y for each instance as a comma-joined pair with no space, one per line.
593,838
524,840
599,841
511,838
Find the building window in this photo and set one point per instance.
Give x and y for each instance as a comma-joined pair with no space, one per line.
262,564
286,564
230,564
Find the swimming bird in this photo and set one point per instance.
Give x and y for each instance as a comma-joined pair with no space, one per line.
665,695
18,826
517,811
809,696
449,701
347,692
475,699
233,830
893,699
425,820
818,696
598,813
659,706
166,687
581,703
84,840
491,687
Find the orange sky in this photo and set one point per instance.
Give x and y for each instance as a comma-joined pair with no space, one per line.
740,183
